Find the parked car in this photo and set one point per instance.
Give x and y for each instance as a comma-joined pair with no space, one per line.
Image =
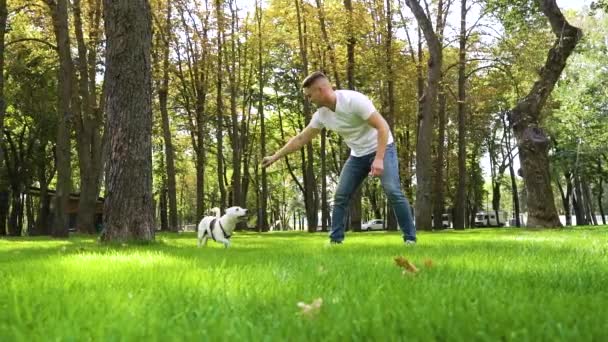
375,224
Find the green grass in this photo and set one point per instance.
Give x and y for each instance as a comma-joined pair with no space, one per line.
503,284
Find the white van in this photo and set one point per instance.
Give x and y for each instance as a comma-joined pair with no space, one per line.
491,219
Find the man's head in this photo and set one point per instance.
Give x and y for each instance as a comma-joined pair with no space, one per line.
317,89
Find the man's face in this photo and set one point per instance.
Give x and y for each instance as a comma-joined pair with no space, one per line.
314,93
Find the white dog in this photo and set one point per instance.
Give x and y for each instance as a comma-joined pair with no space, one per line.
220,228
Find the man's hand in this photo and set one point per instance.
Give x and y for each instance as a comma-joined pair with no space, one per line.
377,168
267,161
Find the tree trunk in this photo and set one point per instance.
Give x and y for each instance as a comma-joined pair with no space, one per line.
599,200
588,203
14,226
4,207
164,221
129,200
600,190
425,135
163,92
310,191
565,197
88,119
391,219
59,13
263,220
219,129
439,184
197,85
459,210
3,18
332,55
324,204
3,186
525,118
44,219
578,202
235,137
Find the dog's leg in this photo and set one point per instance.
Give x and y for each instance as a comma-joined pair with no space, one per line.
226,242
205,239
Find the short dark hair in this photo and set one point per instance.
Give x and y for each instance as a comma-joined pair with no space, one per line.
310,79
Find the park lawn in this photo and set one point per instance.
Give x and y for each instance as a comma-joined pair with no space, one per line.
479,284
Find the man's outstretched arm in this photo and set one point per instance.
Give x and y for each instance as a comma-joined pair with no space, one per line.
292,145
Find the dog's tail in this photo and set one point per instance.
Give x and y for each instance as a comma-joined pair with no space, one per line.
217,212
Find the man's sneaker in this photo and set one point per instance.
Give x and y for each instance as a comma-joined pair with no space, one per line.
410,242
332,242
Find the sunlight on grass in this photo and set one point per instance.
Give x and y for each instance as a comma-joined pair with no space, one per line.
476,284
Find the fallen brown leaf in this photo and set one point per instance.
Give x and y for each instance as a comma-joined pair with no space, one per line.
406,264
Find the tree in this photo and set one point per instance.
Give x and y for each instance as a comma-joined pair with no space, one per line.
460,205
163,93
425,133
532,141
128,203
59,13
88,115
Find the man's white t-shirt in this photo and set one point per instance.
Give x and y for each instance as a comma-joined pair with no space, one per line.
350,121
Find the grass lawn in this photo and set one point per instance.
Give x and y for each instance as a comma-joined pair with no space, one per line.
482,284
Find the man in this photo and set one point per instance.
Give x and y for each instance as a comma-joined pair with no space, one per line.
354,117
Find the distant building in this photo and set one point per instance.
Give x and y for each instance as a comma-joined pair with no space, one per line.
72,207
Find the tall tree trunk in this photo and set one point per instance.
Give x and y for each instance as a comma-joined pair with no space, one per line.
219,129
198,65
3,187
438,179
310,192
525,117
354,209
332,56
350,46
129,208
263,221
459,210
439,183
329,47
235,137
88,117
163,92
3,18
59,13
425,135
391,219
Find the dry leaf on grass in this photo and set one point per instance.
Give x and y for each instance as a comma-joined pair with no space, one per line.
406,265
312,309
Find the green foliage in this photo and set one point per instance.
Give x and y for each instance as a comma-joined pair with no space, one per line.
494,280
579,121
516,14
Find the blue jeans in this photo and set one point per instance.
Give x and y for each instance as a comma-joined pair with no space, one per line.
353,173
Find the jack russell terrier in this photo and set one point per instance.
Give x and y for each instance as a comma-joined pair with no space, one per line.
220,228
